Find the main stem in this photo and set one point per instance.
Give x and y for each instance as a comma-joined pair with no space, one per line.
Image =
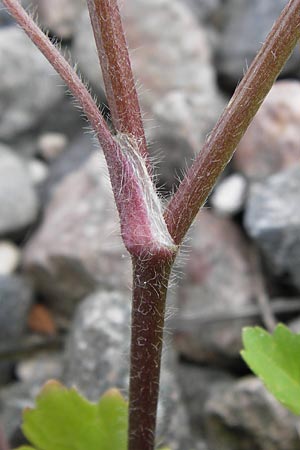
150,283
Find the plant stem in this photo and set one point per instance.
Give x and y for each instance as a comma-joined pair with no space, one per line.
147,238
150,282
233,123
116,69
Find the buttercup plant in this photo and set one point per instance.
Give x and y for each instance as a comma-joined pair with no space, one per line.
151,234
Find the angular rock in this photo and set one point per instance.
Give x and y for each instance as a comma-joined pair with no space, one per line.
78,246
97,359
18,200
29,86
246,25
272,219
216,289
59,16
271,143
246,416
178,92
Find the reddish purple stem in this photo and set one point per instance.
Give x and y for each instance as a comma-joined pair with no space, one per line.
116,70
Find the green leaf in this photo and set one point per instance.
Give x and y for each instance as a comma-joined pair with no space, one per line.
64,420
25,447
276,360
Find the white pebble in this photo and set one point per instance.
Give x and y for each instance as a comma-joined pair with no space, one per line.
52,145
229,195
9,257
38,171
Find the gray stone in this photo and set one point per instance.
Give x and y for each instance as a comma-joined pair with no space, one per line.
59,16
184,118
198,384
271,143
245,416
98,346
97,356
70,160
5,18
29,87
65,118
206,10
13,399
18,200
217,287
246,25
78,245
272,219
15,300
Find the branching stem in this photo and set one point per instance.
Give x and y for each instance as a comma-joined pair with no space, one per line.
151,241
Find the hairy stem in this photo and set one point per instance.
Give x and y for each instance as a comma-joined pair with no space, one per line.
150,282
230,128
116,69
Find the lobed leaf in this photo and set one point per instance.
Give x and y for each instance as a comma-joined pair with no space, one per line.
64,420
276,360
